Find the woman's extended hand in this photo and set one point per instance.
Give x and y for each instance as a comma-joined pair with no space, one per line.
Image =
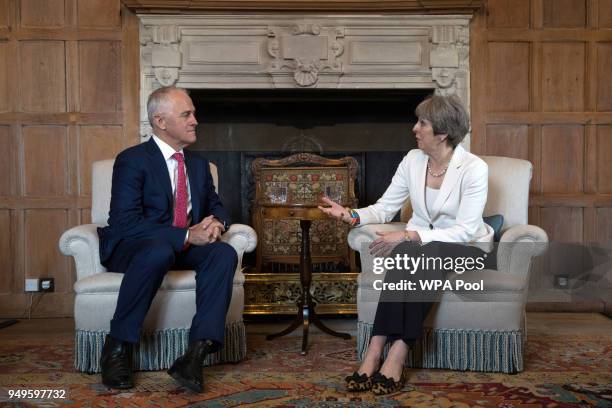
388,240
335,210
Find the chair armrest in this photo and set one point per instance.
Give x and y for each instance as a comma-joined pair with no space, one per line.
518,246
367,233
82,243
242,237
359,238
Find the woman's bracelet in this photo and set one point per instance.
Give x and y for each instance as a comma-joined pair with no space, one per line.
354,219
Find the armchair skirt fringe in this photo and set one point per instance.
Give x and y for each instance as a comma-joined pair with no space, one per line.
159,349
456,349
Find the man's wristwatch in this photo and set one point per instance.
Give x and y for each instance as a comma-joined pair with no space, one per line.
225,225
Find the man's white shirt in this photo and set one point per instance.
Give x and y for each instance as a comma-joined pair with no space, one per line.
172,165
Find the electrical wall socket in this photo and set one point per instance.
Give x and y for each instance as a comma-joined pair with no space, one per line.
31,285
562,281
47,285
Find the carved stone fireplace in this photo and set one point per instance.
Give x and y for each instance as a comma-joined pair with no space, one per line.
313,57
309,51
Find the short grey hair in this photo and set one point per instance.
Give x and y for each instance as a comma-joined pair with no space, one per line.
447,116
159,99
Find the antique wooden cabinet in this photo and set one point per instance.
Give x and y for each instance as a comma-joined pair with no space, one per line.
285,191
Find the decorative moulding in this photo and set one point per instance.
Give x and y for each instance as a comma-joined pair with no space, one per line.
304,50
287,50
200,6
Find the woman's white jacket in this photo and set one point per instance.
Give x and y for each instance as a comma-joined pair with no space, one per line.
456,215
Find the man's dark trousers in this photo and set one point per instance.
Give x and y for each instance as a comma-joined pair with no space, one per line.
145,262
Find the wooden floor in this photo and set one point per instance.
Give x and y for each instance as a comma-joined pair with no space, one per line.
537,324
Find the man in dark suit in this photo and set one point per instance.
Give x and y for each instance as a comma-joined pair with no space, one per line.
165,214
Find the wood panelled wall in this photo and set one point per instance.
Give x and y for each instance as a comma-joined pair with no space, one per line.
542,90
69,73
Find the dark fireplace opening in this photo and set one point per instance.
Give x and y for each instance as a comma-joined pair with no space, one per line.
236,126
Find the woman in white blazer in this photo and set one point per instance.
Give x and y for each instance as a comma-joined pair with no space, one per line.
447,187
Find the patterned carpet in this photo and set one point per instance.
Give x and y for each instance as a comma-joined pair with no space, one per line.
570,372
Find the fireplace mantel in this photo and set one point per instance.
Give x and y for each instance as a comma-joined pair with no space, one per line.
304,51
405,6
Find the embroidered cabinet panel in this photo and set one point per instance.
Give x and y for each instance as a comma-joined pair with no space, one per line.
299,182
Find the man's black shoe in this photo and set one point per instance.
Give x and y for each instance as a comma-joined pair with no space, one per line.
116,363
187,369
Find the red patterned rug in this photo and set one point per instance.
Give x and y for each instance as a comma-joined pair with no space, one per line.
574,371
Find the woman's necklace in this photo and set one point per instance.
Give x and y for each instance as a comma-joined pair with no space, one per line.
436,175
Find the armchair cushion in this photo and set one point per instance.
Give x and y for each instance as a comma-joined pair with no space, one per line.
109,282
177,292
496,222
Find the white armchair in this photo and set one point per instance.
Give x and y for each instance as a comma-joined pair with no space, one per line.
468,331
166,327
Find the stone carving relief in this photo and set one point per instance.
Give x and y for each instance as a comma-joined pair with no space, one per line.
309,51
444,58
449,57
305,50
166,59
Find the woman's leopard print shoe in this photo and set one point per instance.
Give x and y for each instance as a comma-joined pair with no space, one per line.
381,385
358,382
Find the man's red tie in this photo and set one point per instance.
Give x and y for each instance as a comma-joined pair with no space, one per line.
180,204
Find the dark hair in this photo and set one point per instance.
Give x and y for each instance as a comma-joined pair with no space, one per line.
159,98
447,116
